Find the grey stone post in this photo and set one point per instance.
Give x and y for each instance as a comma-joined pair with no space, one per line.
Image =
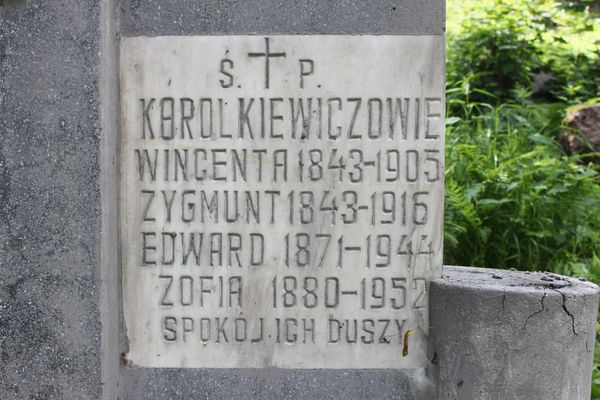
60,319
507,335
51,200
60,329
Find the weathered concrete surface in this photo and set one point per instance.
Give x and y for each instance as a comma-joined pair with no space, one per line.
52,219
184,17
507,335
277,384
57,159
49,200
57,63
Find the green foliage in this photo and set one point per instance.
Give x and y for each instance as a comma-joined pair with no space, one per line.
579,5
513,198
576,76
596,370
539,47
496,50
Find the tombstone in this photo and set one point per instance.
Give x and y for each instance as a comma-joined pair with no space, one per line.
224,200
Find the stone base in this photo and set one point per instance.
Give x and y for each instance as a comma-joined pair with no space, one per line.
512,335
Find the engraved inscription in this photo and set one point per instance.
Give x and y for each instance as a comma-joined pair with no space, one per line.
281,199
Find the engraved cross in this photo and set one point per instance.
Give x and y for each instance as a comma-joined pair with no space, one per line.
267,55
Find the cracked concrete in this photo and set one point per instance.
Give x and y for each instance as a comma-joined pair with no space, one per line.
564,306
537,312
524,336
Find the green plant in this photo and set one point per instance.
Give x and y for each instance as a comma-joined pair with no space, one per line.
495,50
541,47
575,76
513,198
579,5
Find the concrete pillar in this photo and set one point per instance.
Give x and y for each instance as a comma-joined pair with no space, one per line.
506,335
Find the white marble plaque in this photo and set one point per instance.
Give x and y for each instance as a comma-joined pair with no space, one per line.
281,199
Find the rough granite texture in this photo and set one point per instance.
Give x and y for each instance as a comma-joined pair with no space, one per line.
51,308
49,200
198,17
